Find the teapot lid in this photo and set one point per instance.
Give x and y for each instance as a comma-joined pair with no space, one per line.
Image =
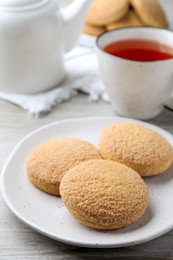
21,3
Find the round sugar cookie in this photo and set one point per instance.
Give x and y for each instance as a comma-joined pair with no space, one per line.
103,194
131,19
150,12
102,12
137,146
49,161
93,30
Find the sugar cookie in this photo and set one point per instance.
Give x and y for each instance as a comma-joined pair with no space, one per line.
49,161
137,146
102,12
103,194
131,19
150,12
93,30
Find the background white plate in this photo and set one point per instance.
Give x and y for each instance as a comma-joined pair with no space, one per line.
47,214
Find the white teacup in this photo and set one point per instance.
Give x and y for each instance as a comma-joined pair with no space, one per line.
137,89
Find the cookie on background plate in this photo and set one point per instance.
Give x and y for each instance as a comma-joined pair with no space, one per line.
131,19
136,146
150,12
92,29
49,161
102,12
104,195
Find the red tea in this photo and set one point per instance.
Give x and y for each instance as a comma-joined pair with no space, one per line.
140,50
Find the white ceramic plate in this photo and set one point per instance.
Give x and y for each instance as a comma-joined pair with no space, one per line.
47,214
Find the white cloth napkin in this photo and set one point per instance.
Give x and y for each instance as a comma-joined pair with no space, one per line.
82,75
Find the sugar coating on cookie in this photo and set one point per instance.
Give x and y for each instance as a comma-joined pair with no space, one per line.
150,12
103,194
49,161
137,146
102,12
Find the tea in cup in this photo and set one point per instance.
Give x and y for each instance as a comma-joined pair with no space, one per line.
136,65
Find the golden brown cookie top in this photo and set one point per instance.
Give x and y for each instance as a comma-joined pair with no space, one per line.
135,144
104,194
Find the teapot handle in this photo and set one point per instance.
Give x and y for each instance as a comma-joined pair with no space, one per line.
73,19
169,103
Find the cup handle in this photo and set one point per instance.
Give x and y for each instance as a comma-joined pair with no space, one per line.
169,103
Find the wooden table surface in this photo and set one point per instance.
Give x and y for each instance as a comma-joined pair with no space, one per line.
18,241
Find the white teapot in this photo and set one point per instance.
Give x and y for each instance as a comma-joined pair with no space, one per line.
34,36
